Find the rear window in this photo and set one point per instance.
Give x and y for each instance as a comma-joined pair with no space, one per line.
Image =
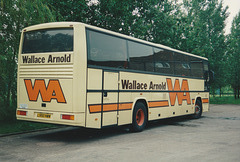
48,40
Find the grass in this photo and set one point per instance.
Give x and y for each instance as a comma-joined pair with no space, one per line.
21,126
224,100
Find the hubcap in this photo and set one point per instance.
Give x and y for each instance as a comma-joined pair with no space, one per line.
197,109
140,117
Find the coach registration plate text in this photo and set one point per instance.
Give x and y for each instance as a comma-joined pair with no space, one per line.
43,115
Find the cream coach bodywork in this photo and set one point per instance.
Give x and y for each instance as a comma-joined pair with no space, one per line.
71,77
158,102
97,97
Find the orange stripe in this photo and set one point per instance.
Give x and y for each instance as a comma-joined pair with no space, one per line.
158,104
193,101
205,100
125,106
94,108
109,107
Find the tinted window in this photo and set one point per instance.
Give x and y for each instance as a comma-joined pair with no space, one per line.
182,65
140,56
49,40
196,67
111,51
163,61
106,50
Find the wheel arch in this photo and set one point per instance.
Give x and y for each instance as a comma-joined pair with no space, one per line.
198,98
198,108
142,100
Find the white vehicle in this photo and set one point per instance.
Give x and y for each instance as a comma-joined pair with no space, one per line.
75,74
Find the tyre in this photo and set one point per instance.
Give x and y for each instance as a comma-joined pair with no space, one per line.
139,119
198,110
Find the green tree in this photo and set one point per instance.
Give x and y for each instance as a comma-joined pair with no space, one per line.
234,55
149,19
69,10
14,16
204,35
156,22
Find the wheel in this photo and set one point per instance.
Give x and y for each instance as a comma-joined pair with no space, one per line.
139,119
198,110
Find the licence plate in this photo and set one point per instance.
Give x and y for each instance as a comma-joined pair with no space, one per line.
43,115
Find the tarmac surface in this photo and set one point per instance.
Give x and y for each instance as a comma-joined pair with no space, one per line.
214,137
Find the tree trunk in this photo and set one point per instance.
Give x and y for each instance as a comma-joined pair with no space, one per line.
238,92
235,93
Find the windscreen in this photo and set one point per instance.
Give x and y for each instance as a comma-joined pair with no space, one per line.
48,40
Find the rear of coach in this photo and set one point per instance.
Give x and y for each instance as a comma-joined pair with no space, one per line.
52,74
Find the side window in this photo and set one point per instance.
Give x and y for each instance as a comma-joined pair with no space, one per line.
140,57
182,65
196,67
163,61
106,50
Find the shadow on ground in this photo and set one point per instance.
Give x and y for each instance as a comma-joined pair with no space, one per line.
77,134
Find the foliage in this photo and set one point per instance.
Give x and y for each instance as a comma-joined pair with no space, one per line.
234,55
141,19
14,16
204,35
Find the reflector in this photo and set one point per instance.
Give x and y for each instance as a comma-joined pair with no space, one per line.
21,112
68,117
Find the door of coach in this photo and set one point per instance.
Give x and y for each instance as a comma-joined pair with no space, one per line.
110,98
102,98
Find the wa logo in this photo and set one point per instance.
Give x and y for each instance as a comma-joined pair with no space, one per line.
181,93
52,91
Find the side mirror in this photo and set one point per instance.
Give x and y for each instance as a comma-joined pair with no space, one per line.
211,76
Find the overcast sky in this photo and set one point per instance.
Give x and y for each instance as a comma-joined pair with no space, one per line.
234,8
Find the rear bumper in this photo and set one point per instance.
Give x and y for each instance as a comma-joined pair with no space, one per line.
55,117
